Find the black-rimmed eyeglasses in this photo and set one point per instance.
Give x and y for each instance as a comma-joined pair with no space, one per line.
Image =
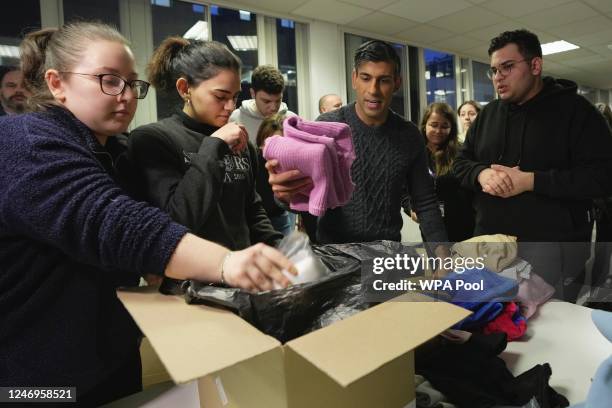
504,69
113,85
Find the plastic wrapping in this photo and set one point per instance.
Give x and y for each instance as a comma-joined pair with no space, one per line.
296,247
299,309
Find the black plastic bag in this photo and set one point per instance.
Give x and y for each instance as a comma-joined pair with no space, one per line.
299,309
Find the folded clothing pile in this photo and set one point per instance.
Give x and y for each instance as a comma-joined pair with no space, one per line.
322,151
471,375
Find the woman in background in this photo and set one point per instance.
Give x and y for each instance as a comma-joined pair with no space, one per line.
467,112
439,128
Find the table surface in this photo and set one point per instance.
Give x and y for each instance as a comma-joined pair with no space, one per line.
563,335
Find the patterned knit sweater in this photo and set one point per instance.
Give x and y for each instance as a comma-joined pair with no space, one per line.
390,160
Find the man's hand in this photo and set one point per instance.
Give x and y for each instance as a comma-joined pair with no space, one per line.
521,180
286,184
414,216
495,182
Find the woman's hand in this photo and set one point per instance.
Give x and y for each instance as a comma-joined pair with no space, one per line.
256,268
234,135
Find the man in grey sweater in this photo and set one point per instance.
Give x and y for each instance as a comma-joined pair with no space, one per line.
390,159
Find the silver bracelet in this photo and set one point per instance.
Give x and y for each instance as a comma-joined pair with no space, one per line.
222,266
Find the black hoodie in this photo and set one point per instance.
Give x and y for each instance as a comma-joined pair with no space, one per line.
561,138
200,182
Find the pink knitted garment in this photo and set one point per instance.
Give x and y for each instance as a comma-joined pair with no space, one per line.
337,137
321,150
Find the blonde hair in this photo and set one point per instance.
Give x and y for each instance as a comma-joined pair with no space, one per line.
61,49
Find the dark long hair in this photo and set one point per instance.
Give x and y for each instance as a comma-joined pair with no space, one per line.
194,60
444,157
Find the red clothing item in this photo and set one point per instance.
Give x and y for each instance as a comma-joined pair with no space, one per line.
509,321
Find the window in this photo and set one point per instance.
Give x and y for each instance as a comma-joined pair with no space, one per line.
352,42
285,44
588,92
17,20
604,96
238,30
440,77
415,84
106,11
175,18
463,92
483,87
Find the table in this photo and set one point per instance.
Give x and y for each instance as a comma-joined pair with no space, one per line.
563,335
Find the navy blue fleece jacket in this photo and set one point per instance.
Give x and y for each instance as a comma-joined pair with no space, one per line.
69,236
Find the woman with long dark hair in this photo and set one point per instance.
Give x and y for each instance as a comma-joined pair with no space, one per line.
195,165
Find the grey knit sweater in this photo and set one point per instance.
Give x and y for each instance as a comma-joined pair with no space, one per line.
390,160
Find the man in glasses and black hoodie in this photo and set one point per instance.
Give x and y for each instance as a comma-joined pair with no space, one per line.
535,158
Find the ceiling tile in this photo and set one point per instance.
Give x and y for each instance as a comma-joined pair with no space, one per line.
601,37
569,55
285,6
370,4
604,6
587,23
601,67
564,14
467,19
424,11
590,79
585,62
487,33
382,23
563,70
602,49
550,65
424,34
560,73
544,37
580,28
517,8
458,44
332,11
479,53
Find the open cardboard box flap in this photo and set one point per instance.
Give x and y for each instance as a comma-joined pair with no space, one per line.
354,347
192,340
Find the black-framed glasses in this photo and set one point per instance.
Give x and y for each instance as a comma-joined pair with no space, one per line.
111,84
504,69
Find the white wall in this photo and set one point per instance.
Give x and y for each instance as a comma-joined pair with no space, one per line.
326,67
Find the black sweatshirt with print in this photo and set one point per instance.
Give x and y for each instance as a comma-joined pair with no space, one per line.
561,138
200,182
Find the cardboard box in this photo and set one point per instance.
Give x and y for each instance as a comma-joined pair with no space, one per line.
366,360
